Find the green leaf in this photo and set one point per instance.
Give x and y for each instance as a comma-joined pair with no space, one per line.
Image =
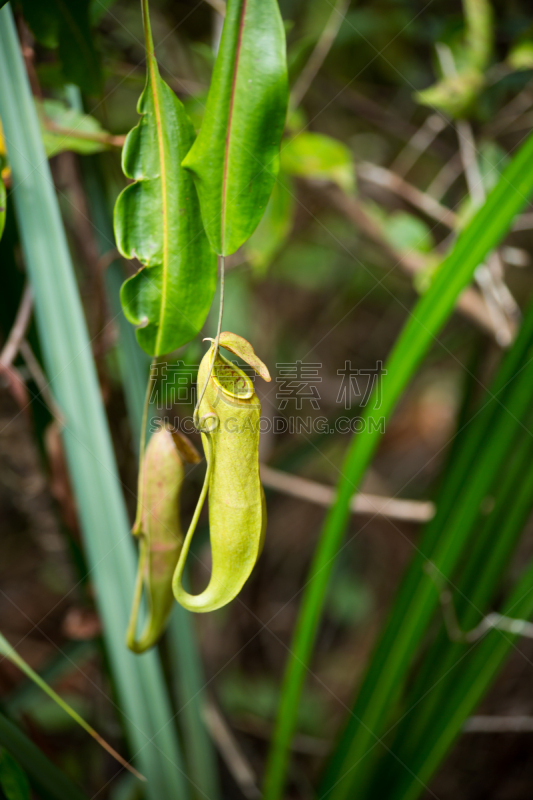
453,95
65,24
403,230
64,128
157,220
273,230
521,55
235,158
13,780
456,93
44,776
483,233
10,653
314,155
408,233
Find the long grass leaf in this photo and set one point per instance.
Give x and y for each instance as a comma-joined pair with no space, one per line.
483,233
471,685
44,776
375,707
505,390
70,368
10,653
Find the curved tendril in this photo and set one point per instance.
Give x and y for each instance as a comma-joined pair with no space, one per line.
131,640
196,421
178,573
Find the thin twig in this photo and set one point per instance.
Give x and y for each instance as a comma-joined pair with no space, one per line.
108,139
490,278
492,621
470,302
231,751
18,331
361,503
499,724
394,183
509,113
388,179
445,177
418,143
317,57
40,379
387,120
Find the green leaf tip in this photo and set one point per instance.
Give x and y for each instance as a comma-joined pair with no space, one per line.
235,159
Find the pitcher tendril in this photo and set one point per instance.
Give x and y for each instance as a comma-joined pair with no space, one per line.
217,342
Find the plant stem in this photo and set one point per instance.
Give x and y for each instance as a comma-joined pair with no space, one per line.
217,340
317,57
142,448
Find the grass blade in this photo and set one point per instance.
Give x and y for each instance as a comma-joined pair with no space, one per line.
471,685
190,699
44,776
482,234
10,653
70,368
504,392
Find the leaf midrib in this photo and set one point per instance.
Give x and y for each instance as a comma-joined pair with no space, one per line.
230,122
154,74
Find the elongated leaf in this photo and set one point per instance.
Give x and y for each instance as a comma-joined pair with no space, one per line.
502,394
44,776
483,233
470,687
13,779
235,158
63,335
495,540
157,220
9,652
378,699
419,732
65,24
